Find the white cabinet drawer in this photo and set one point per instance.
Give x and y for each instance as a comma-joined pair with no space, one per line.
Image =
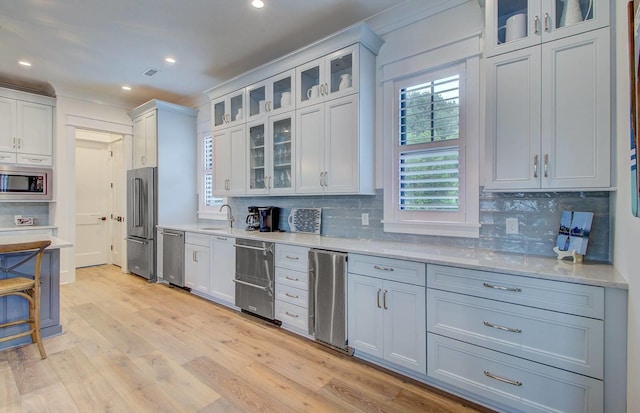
290,256
388,268
195,238
292,278
28,159
8,157
561,340
521,384
292,295
293,316
585,300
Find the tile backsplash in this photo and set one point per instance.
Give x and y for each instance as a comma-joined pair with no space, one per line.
38,210
538,215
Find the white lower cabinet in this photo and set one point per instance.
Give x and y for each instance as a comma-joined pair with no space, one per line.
518,383
292,288
531,344
386,318
223,269
196,262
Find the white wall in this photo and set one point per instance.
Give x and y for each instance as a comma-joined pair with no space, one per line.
70,113
626,228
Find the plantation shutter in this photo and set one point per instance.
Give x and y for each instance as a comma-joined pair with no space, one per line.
207,181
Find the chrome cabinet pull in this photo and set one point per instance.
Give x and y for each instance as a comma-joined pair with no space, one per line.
499,287
35,159
535,166
291,315
195,256
497,327
289,257
291,296
502,379
384,300
321,184
291,279
546,165
14,143
377,267
536,20
378,298
546,22
221,238
326,89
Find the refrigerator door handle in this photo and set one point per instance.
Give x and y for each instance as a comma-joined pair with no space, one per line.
135,241
136,202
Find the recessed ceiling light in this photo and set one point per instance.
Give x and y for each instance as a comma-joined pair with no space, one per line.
170,60
126,87
258,4
24,63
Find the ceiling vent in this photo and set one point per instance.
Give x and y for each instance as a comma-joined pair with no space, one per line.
150,72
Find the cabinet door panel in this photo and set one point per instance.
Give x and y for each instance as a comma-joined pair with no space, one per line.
365,316
341,145
35,128
310,149
513,120
576,120
139,143
151,139
405,333
196,268
223,268
7,125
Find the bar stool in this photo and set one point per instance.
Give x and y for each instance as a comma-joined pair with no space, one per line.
26,286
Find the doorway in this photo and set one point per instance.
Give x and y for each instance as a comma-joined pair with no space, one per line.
99,198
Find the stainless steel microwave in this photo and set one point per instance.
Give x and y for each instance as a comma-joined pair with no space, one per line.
23,183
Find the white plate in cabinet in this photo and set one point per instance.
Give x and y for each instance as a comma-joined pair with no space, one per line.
521,384
560,340
292,315
292,278
388,268
578,299
292,295
290,256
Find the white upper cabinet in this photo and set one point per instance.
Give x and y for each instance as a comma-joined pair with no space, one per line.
329,77
516,24
26,132
272,96
229,152
309,120
145,138
228,110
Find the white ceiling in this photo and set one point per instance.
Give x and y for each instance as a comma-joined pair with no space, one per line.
90,48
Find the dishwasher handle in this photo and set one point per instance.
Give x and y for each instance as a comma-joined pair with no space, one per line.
249,247
259,287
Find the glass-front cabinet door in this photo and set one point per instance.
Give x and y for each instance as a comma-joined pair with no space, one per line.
515,24
228,110
271,96
327,78
257,161
271,155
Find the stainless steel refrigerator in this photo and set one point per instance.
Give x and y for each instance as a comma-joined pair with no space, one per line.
141,221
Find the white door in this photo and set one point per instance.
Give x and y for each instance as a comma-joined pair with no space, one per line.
365,314
8,124
92,202
405,325
310,149
118,202
35,122
341,145
223,269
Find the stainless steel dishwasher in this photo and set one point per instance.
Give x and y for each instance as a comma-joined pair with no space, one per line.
255,278
328,297
173,256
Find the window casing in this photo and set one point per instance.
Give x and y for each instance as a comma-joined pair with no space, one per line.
428,184
208,204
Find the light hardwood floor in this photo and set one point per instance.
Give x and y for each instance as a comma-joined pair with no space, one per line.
131,346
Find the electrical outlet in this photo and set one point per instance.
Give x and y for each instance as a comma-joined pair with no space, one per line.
365,218
512,226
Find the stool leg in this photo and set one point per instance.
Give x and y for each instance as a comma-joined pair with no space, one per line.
35,317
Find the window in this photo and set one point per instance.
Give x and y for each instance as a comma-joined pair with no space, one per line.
429,189
209,205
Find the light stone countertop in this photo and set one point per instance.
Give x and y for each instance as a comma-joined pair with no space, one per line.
598,274
56,243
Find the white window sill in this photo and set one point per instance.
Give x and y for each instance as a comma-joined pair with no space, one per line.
448,229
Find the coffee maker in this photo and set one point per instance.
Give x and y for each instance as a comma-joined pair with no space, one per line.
253,219
269,218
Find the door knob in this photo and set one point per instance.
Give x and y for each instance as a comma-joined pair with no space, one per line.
102,218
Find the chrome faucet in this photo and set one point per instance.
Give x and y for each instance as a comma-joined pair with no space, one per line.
229,216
